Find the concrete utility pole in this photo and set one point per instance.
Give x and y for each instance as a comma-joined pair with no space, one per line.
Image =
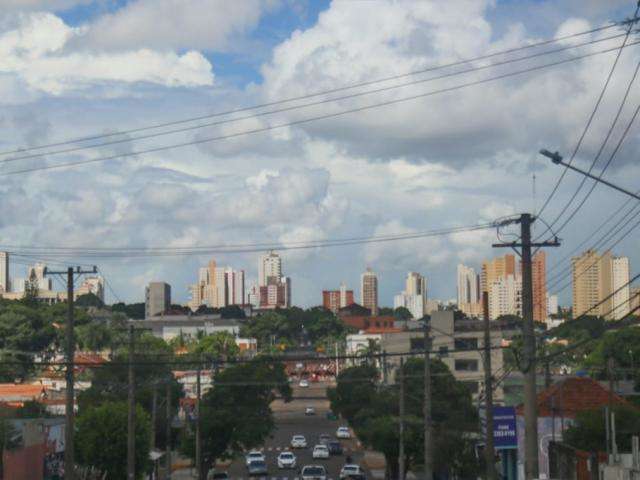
154,415
198,426
426,407
131,419
529,348
489,450
401,467
168,429
69,413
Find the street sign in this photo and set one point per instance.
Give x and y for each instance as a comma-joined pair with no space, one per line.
504,427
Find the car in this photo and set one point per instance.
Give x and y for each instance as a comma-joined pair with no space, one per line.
217,475
320,451
304,383
298,441
313,472
349,470
286,460
257,468
309,411
324,439
343,432
254,455
335,447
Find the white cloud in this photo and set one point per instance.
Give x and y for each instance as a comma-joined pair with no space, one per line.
177,24
33,49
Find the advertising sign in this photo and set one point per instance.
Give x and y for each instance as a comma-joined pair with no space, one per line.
504,427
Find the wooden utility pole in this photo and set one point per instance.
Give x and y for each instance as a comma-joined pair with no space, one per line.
69,413
426,407
531,467
489,451
131,419
401,466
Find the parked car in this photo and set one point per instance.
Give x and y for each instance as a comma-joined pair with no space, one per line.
324,439
335,447
309,411
320,451
313,472
254,455
304,383
257,467
343,432
217,475
286,460
349,470
298,441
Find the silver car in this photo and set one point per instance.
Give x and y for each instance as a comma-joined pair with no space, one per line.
313,472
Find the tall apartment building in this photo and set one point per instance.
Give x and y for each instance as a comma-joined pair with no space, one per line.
234,280
217,287
276,294
552,304
539,286
505,297
414,297
334,300
157,299
496,268
270,265
5,285
468,289
592,277
620,285
369,291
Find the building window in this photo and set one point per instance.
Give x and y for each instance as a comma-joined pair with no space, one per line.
466,343
417,344
464,365
443,351
472,386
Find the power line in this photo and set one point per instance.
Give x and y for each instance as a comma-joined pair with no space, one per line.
311,95
311,119
591,116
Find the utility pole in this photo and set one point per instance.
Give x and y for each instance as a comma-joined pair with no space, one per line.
154,415
426,407
609,423
529,348
401,467
131,419
198,426
168,429
69,413
489,451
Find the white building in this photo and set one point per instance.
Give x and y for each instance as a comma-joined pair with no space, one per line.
270,266
5,285
620,281
505,297
414,297
94,285
253,298
468,283
36,273
552,304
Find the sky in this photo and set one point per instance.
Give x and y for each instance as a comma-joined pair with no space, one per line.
77,68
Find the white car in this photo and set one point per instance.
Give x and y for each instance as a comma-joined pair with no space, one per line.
320,451
350,469
309,411
304,383
298,441
286,460
313,472
343,432
253,456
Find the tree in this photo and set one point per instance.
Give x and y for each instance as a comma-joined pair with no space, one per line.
402,313
95,336
9,438
588,431
132,310
101,439
89,300
236,413
217,345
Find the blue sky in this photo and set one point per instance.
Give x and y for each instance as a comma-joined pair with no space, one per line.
72,68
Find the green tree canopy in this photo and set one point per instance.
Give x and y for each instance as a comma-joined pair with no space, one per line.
101,439
216,345
402,313
588,431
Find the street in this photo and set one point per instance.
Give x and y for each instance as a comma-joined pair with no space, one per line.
291,420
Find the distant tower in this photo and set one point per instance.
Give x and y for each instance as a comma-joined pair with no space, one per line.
270,266
369,291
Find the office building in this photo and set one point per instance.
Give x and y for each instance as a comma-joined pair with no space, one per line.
552,304
334,300
270,265
5,285
539,286
505,296
157,299
620,287
369,291
468,289
592,284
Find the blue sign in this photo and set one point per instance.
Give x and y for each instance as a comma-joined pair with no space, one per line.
504,428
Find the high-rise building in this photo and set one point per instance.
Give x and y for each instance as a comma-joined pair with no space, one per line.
552,304
416,284
217,287
414,297
505,296
35,275
270,266
220,290
334,300
234,286
157,299
5,285
634,300
276,294
369,291
539,286
620,287
469,295
496,268
593,284
253,298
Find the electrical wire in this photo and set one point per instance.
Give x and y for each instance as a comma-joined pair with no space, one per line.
311,119
311,95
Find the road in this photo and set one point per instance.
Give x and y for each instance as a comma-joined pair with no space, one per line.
291,420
